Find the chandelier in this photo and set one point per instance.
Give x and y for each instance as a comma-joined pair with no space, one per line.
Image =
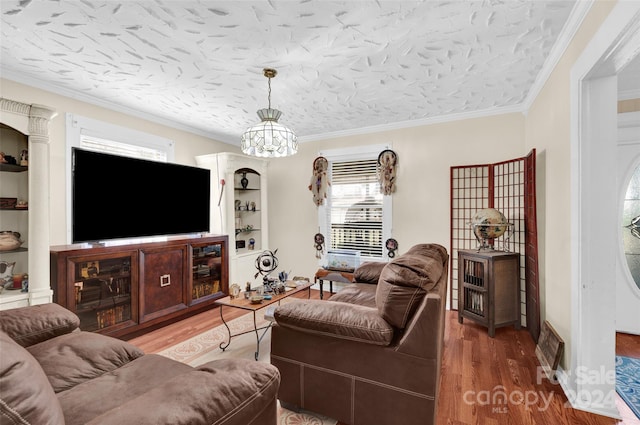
269,138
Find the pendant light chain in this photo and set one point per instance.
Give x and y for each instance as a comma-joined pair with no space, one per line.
269,96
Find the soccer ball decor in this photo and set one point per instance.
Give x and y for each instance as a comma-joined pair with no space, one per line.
488,224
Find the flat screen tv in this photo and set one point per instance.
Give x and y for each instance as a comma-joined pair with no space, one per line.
115,197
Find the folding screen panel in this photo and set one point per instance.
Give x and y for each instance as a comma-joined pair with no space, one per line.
509,187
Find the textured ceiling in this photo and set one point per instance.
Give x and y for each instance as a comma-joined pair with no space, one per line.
341,65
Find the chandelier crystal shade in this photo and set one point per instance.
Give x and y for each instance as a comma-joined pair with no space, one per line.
269,138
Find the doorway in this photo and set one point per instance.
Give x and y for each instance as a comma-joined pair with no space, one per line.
594,204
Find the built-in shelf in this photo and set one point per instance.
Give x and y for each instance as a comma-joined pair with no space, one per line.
21,249
11,168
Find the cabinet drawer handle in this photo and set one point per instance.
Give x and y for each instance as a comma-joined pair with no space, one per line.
165,280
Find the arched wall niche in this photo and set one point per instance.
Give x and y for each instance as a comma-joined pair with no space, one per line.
33,121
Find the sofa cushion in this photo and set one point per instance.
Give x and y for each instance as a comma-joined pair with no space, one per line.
80,356
25,394
337,319
368,272
219,398
154,389
33,324
357,293
405,281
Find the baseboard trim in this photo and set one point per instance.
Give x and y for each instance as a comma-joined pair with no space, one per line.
563,379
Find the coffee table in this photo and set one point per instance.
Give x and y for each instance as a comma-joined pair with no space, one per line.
244,304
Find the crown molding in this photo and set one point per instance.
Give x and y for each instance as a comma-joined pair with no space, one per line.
578,13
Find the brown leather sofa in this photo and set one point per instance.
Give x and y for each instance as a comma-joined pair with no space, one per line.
371,354
53,373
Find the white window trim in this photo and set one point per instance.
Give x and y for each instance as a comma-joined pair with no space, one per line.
354,154
77,126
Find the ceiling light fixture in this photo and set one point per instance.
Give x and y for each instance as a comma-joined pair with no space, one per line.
268,138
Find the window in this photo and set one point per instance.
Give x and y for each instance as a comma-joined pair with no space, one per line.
132,150
356,215
99,136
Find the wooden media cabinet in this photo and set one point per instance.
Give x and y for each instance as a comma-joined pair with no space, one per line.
126,289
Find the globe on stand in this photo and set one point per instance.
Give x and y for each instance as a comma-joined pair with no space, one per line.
488,224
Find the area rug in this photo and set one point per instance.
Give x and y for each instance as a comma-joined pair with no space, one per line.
205,347
628,382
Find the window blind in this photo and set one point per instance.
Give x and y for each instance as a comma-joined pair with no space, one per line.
355,207
123,149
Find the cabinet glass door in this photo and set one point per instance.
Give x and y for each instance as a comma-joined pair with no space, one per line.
206,270
102,292
474,284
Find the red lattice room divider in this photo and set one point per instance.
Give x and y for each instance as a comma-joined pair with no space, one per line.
509,187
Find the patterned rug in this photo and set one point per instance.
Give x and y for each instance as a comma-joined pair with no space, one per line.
628,382
205,347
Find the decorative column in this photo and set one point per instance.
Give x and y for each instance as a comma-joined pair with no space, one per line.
39,277
33,121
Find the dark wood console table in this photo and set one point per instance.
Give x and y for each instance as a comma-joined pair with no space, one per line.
332,276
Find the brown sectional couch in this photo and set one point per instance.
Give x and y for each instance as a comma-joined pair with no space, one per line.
371,354
53,373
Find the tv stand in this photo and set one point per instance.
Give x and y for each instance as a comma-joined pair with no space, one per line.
129,289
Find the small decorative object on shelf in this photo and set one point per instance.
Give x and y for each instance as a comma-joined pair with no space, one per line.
488,224
6,273
24,158
387,163
244,181
9,240
392,246
8,203
25,283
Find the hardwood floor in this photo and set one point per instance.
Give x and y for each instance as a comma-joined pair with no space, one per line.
478,373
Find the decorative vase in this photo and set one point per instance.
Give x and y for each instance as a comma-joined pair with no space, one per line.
244,181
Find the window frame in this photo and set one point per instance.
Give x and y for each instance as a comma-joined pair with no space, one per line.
355,154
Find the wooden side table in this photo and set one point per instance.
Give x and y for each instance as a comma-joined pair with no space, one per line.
489,288
331,276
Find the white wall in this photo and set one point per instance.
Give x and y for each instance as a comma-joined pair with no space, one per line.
548,130
421,201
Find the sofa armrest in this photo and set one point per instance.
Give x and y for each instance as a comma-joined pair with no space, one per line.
36,323
335,319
